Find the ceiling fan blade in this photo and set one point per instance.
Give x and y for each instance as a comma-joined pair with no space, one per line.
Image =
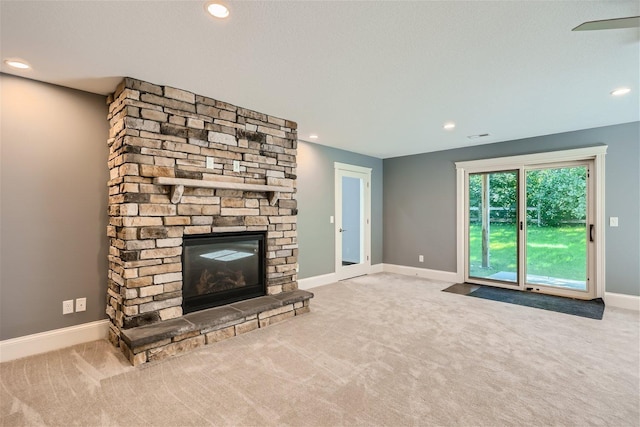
609,24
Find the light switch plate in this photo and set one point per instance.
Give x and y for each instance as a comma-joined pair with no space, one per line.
331,219
236,166
613,221
210,163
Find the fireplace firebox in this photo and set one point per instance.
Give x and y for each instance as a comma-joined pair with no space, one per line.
219,269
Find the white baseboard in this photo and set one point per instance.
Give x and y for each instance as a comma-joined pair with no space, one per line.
443,276
377,268
325,279
315,281
630,302
43,342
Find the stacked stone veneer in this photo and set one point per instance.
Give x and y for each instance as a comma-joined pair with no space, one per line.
160,131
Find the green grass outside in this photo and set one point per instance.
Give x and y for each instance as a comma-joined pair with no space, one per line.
551,251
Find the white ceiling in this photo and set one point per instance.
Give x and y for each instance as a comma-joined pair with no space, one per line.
378,78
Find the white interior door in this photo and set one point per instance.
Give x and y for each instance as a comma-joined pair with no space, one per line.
352,220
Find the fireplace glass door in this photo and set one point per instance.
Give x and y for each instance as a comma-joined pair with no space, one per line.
221,269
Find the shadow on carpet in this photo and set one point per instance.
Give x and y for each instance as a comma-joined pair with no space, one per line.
592,309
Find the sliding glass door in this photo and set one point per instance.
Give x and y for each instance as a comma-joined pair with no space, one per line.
531,228
557,229
493,226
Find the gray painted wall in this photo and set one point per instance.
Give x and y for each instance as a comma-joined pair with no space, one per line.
420,205
53,211
316,200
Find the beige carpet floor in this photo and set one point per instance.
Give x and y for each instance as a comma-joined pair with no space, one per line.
376,350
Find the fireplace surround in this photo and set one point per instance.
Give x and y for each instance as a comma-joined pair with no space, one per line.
185,168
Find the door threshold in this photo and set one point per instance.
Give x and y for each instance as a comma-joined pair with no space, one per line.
349,278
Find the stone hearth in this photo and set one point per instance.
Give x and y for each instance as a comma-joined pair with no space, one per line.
183,164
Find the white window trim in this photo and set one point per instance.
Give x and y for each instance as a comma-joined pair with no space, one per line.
597,153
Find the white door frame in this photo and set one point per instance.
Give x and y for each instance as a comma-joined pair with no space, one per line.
597,154
343,169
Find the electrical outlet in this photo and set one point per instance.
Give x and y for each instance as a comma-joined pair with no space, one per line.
67,306
210,163
613,221
81,304
331,219
236,166
420,258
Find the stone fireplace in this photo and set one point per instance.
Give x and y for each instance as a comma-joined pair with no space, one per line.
202,220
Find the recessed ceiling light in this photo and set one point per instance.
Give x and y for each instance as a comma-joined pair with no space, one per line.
313,136
620,91
217,9
449,126
17,63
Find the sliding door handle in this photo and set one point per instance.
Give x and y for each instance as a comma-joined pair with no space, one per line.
342,230
591,227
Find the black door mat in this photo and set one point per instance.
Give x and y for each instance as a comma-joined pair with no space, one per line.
461,288
592,309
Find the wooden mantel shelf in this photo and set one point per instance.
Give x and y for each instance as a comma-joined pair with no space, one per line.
178,185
